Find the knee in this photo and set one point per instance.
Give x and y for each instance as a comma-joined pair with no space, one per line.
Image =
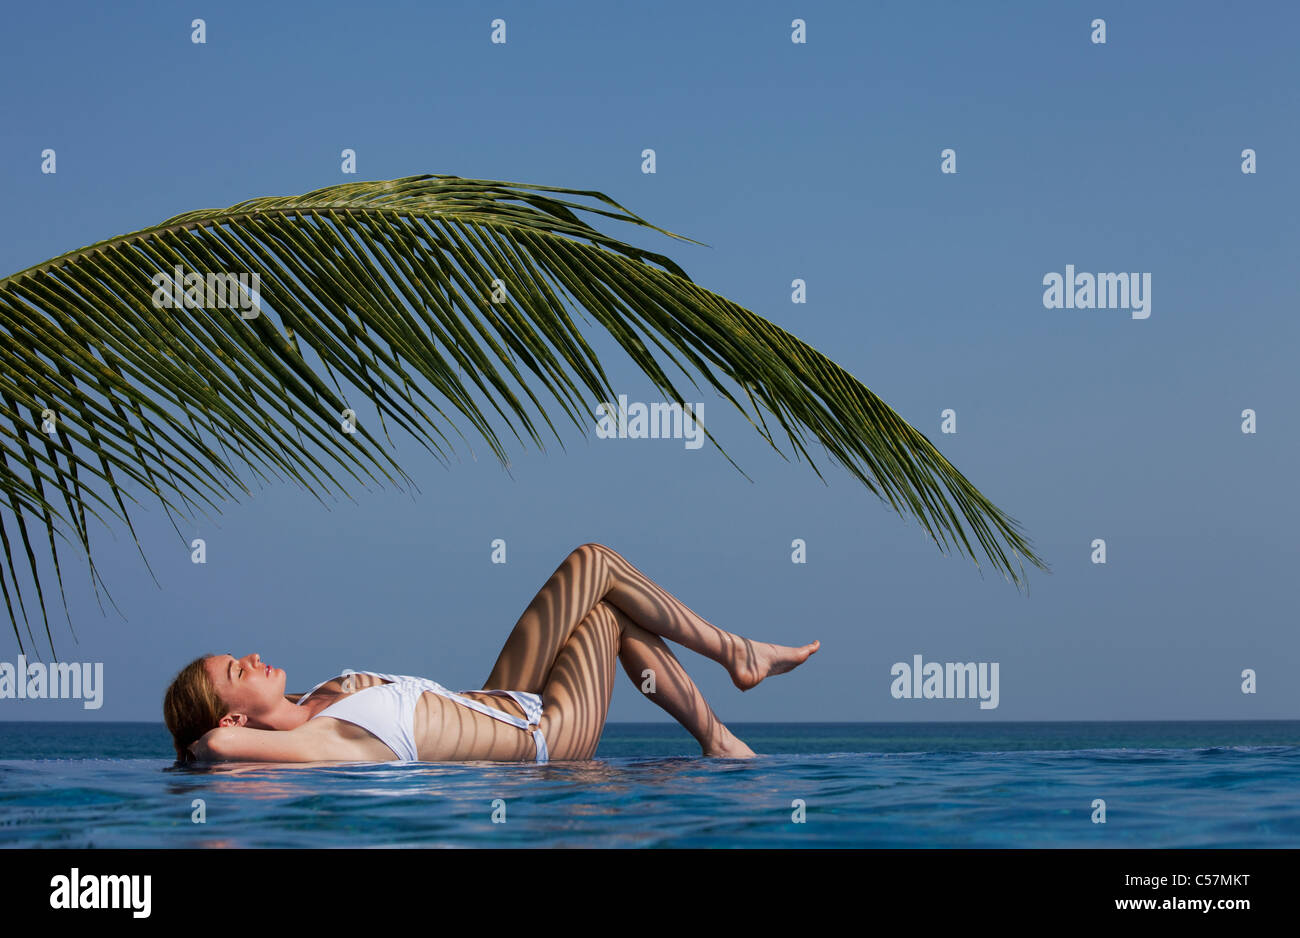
590,552
609,619
614,617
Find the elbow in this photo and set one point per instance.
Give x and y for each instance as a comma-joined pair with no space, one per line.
212,746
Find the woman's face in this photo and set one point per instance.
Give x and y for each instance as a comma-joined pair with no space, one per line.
247,685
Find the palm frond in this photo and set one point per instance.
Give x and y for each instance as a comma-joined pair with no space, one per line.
389,286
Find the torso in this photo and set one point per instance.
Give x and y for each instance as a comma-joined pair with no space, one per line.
445,731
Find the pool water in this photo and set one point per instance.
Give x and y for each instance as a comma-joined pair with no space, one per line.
1211,784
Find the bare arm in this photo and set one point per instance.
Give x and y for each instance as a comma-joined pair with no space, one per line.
306,743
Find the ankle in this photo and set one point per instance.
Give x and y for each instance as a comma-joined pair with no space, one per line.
734,652
719,738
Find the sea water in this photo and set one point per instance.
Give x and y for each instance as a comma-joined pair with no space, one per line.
988,784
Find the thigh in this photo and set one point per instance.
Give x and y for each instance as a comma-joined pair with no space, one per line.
563,602
575,701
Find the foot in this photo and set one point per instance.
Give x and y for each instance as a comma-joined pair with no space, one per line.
728,746
757,660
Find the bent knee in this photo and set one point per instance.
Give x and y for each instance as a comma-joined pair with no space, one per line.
620,618
593,551
609,616
589,551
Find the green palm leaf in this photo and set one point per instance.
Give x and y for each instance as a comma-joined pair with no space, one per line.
388,286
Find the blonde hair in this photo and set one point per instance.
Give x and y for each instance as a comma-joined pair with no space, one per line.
191,707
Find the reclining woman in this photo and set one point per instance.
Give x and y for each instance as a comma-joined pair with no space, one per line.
558,662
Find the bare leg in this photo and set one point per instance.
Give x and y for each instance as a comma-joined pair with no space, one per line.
593,573
657,673
575,698
580,685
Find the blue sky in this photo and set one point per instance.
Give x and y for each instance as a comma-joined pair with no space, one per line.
818,161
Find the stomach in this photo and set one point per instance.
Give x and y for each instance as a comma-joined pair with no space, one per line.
447,731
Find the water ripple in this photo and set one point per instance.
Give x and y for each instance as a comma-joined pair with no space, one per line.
1013,793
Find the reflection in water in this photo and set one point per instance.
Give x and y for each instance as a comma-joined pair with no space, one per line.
458,781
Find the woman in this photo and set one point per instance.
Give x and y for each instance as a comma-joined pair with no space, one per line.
559,663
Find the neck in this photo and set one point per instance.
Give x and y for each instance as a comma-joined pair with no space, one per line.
285,716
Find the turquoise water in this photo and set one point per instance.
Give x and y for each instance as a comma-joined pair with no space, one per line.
1192,784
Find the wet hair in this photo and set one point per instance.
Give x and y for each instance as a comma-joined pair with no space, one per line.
191,707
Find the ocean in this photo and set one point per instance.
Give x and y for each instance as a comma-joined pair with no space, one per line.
1214,784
